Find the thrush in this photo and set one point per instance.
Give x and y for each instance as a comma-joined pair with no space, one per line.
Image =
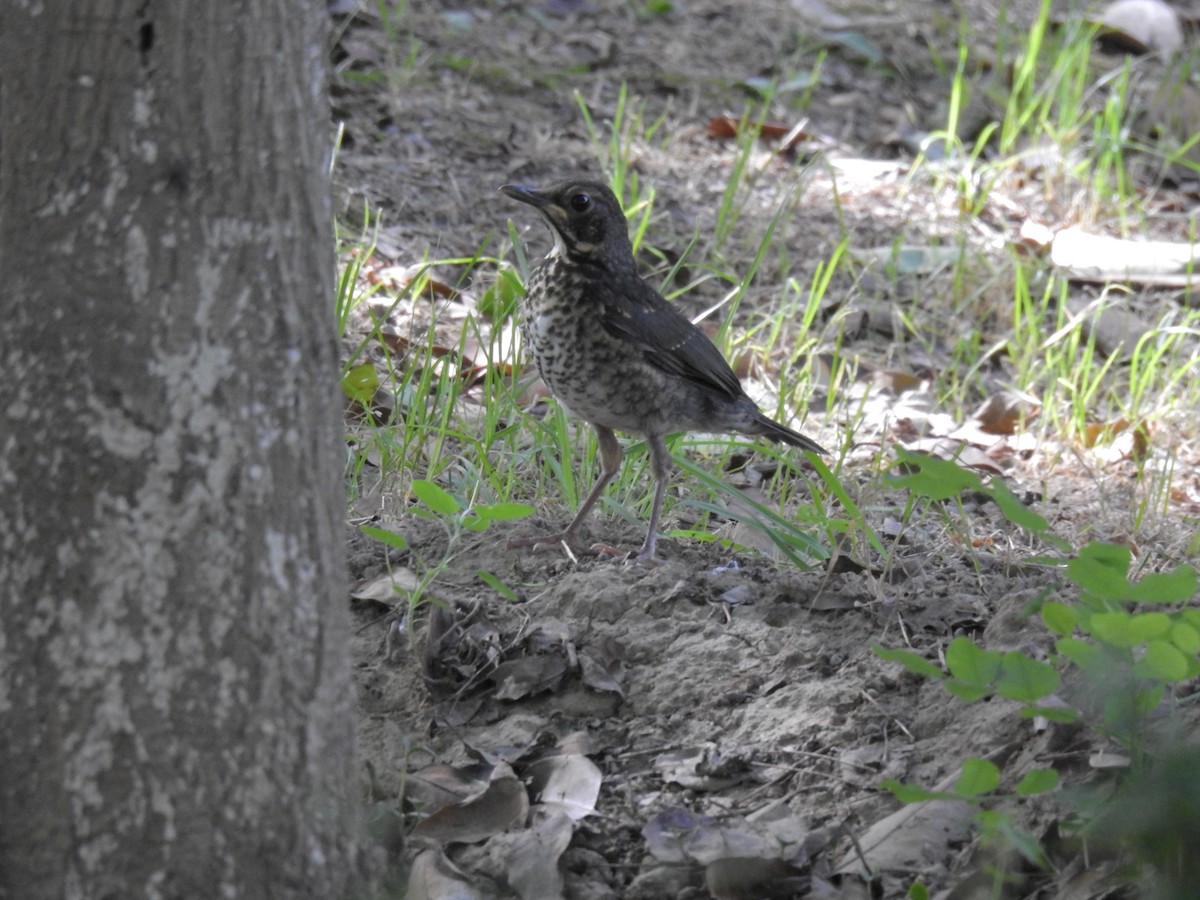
615,353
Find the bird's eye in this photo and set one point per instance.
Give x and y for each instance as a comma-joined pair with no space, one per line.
581,202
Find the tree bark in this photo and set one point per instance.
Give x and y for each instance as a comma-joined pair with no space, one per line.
175,696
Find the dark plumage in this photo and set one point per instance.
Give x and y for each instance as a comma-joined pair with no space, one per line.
618,355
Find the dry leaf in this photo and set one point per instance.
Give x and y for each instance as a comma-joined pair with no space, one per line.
569,781
911,838
437,786
1098,432
385,587
1141,26
503,804
434,877
1001,412
533,854
1101,258
517,678
728,128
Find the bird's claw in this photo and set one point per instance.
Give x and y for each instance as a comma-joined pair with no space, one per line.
645,557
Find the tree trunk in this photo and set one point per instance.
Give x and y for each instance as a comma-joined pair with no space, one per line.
175,699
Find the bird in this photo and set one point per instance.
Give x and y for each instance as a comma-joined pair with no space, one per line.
617,354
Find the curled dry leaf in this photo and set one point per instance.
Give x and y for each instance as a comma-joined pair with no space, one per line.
569,782
1102,759
742,859
517,678
703,768
867,765
1002,411
725,128
892,381
528,858
1100,258
1102,432
502,804
387,586
751,878
602,666
911,838
531,855
1141,26
437,786
434,877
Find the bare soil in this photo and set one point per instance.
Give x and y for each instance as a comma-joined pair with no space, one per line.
721,696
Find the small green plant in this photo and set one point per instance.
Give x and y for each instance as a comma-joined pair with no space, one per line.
1128,640
1131,640
457,518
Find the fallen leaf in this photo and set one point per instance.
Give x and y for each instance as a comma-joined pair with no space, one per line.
434,877
568,781
437,786
727,128
911,838
533,854
517,678
602,666
501,805
1002,411
1141,26
1101,258
750,878
387,586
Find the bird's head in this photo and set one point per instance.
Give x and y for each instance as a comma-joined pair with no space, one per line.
586,219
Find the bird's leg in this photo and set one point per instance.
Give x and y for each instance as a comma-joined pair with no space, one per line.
611,455
661,465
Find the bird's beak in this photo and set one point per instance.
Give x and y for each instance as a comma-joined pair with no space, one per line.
525,194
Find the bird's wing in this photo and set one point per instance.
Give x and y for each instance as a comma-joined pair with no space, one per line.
638,314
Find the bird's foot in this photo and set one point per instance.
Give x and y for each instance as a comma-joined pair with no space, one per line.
646,556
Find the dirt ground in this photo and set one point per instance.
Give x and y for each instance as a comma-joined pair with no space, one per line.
718,725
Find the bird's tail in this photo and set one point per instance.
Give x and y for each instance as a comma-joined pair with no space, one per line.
769,428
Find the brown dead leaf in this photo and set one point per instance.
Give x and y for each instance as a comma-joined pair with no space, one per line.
724,128
502,804
528,675
434,787
1001,412
434,877
749,878
602,666
532,854
893,381
1102,432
